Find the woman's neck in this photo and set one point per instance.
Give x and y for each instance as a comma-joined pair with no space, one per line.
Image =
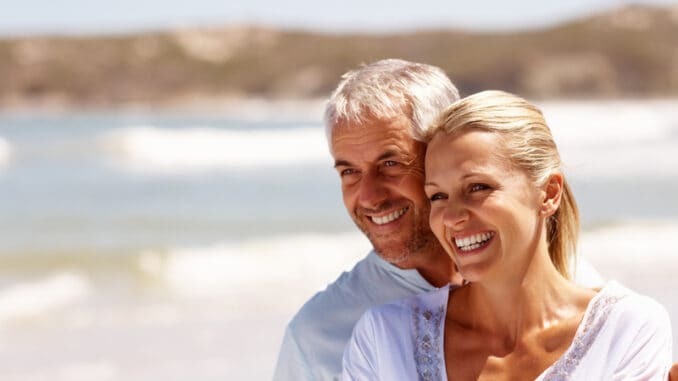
512,305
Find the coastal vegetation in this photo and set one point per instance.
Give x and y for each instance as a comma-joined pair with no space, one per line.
629,52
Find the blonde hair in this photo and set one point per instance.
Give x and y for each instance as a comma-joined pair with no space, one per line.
529,145
389,89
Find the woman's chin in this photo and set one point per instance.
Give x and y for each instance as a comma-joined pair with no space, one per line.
473,272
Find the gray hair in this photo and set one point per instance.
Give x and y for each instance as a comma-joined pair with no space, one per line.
388,89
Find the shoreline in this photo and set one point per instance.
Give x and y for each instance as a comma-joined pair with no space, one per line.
251,106
247,108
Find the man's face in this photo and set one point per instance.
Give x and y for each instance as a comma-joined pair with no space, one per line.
382,177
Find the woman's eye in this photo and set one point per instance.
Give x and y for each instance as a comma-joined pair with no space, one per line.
438,196
478,187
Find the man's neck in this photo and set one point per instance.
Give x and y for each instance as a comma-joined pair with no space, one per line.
436,267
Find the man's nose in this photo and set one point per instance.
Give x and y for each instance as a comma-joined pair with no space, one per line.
373,191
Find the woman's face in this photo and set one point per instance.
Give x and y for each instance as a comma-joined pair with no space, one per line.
484,211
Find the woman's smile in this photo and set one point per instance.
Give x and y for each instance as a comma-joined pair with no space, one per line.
472,244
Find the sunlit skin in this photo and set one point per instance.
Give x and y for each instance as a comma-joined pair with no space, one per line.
518,315
382,174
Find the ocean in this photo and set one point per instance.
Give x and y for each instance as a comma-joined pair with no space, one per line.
149,245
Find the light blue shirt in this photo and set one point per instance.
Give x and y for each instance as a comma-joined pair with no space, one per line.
315,338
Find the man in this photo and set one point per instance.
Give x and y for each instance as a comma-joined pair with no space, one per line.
374,122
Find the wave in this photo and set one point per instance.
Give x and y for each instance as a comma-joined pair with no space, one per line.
5,152
155,149
605,123
613,139
310,261
302,261
34,298
607,139
637,243
630,161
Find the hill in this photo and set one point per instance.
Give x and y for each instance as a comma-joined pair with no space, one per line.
630,52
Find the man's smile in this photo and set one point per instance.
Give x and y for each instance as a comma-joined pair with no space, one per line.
381,220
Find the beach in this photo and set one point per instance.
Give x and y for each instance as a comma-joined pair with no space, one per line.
174,245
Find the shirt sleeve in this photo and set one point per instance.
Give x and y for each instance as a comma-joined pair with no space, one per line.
359,362
649,355
291,365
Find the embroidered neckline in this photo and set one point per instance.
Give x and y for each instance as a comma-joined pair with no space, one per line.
594,319
427,342
428,336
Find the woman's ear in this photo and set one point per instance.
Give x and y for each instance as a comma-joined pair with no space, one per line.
552,191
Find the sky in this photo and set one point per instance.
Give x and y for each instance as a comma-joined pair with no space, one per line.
30,17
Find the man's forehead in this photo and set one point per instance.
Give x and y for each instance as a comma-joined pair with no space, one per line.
374,142
397,127
367,116
369,135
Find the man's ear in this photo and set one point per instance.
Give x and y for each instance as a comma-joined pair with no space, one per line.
552,191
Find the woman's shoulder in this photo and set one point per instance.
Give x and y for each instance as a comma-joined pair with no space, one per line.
623,335
629,303
624,309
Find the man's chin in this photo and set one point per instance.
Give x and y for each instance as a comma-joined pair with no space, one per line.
392,253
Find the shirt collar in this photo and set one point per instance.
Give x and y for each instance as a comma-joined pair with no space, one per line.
407,276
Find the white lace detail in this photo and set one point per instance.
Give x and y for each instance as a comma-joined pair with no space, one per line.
427,341
595,320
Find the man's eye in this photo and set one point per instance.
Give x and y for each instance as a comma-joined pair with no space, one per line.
347,171
390,163
478,187
438,196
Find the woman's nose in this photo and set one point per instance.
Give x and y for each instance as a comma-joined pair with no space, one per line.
455,216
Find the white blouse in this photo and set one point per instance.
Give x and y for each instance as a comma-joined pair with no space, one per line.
623,336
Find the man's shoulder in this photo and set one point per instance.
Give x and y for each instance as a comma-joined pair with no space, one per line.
342,292
319,331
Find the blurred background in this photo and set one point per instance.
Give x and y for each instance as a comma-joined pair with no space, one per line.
167,201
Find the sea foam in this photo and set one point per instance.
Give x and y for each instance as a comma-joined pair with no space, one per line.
34,299
310,261
156,149
305,261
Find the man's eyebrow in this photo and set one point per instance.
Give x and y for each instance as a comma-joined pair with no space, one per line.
387,155
341,163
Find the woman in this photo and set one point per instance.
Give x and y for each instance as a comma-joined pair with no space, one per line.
502,209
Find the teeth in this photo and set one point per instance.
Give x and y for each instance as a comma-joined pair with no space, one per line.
389,217
472,242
